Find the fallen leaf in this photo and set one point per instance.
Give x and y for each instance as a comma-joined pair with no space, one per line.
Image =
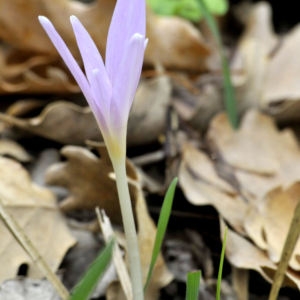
271,220
165,33
77,124
253,182
36,211
32,73
244,255
14,150
202,186
281,91
88,179
251,61
258,169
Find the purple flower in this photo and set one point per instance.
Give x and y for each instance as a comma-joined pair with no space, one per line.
108,88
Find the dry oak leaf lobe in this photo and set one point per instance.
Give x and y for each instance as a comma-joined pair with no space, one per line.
170,36
88,180
253,182
37,213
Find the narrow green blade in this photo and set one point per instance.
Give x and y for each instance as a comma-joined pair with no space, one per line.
86,285
192,285
162,226
218,292
230,101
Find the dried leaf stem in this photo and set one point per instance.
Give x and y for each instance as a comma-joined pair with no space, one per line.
286,254
32,251
118,260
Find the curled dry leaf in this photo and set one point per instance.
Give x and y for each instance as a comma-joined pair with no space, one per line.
252,56
32,73
165,33
36,211
244,255
77,124
202,186
258,169
281,91
254,188
88,179
271,220
13,149
265,69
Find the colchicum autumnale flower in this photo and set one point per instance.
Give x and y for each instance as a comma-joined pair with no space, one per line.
109,89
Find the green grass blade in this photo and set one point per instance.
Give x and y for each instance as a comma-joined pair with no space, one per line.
218,292
86,285
192,285
230,101
162,226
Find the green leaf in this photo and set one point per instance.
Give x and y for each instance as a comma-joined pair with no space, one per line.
218,292
229,95
192,285
188,9
87,284
162,227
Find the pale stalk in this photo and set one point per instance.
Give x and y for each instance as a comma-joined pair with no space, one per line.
129,229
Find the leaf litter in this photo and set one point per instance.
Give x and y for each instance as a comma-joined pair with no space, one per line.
250,176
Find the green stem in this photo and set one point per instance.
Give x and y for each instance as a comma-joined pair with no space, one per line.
129,229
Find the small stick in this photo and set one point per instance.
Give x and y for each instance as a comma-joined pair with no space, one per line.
286,254
32,251
107,231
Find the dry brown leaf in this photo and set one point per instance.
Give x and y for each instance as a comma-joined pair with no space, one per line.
271,220
258,169
60,121
13,149
252,57
281,91
178,35
36,211
265,69
253,182
87,178
242,254
28,73
202,186
76,124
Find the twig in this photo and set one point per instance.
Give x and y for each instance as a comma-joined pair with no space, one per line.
286,254
121,269
32,251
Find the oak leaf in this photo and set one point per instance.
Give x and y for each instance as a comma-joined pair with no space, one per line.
37,213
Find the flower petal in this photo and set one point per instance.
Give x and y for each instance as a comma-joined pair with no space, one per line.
66,55
128,19
92,60
127,78
102,111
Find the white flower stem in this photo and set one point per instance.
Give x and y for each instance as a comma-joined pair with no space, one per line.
130,230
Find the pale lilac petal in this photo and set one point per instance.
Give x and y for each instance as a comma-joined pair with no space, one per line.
89,52
100,93
66,55
92,61
128,19
127,78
